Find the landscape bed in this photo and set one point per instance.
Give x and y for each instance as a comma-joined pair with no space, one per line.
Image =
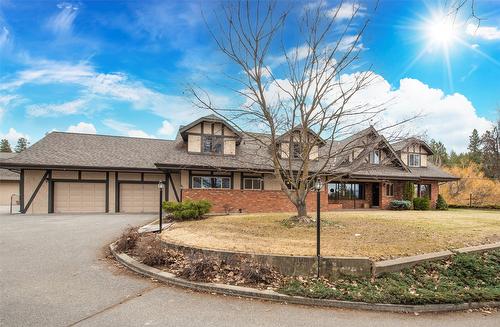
463,278
378,234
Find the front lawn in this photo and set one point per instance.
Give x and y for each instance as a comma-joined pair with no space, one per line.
378,234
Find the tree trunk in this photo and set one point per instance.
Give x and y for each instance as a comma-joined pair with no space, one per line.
301,217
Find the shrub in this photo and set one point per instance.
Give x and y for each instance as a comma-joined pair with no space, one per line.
200,268
188,209
128,240
408,191
255,273
400,205
441,203
421,203
151,252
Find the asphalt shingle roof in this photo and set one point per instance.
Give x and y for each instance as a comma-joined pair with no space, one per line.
89,150
5,174
60,149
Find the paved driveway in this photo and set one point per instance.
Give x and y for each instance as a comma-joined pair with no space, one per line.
52,273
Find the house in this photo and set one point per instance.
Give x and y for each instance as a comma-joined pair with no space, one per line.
9,181
209,159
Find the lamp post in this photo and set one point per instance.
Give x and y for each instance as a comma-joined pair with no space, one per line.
318,186
161,186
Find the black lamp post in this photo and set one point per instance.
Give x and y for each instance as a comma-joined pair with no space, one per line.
161,186
318,186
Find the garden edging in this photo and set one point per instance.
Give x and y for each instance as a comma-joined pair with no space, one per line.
270,295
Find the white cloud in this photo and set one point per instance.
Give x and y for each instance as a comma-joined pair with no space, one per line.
5,100
489,33
82,127
4,37
67,108
126,129
347,10
99,87
449,118
12,135
167,128
62,22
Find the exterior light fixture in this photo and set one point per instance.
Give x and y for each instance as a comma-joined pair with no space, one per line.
318,185
161,186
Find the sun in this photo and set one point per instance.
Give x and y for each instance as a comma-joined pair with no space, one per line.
441,31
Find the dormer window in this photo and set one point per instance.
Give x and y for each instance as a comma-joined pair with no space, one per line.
213,144
375,157
414,160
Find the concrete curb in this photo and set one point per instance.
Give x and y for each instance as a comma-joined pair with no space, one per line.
269,295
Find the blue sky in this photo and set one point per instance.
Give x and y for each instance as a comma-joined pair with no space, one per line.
121,67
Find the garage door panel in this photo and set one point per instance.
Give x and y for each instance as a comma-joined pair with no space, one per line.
79,197
139,198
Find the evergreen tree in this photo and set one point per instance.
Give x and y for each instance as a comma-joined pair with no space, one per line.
475,147
490,142
5,146
440,156
22,144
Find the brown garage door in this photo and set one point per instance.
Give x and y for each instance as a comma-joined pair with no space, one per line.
139,198
79,197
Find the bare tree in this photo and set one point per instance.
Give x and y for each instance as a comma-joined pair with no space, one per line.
303,99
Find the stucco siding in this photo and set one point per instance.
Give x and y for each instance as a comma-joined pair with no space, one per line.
7,188
40,203
271,183
194,143
229,146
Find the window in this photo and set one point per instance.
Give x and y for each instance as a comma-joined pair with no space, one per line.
343,191
414,160
211,182
375,157
389,189
296,151
252,183
212,144
423,190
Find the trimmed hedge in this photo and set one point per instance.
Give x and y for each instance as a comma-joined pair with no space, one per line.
400,205
188,209
421,203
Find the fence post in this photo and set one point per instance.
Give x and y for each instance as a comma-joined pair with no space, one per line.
470,200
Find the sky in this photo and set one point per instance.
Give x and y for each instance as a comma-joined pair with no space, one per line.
122,67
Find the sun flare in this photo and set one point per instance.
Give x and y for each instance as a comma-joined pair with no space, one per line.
441,31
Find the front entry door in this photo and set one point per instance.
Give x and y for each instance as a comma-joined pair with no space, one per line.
375,194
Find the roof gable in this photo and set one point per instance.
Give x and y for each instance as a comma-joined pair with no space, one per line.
184,130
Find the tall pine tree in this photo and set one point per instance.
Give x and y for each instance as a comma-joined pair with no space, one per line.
5,146
490,142
475,147
22,144
440,156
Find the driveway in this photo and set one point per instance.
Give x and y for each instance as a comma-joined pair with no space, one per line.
53,273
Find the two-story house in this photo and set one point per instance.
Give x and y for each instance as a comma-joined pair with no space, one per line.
68,172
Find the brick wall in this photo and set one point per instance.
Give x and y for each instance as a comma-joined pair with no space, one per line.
255,201
277,201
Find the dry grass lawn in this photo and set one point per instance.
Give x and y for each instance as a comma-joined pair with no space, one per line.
379,234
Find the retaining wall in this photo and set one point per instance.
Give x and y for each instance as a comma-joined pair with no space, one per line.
330,266
289,265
